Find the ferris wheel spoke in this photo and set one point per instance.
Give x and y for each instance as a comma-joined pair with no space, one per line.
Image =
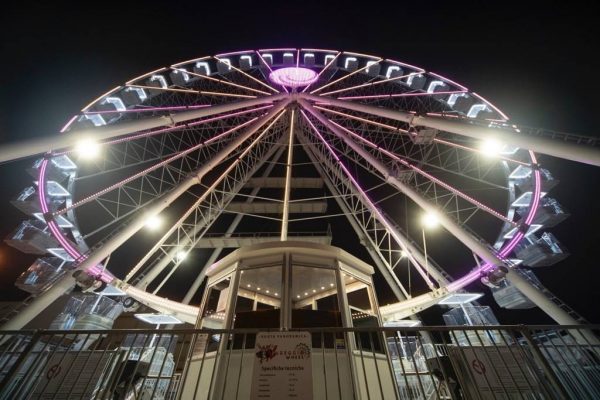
394,95
378,60
147,109
444,199
426,175
569,151
195,92
456,160
123,205
407,132
368,84
364,202
157,148
248,75
72,137
201,215
153,168
262,60
222,82
475,244
325,68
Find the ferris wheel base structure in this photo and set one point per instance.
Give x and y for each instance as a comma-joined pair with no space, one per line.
325,140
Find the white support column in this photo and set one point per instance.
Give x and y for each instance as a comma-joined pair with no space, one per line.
13,151
67,281
288,178
569,151
477,247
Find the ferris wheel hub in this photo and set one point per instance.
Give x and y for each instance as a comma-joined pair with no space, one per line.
293,77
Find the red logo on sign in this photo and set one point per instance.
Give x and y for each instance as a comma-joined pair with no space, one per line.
266,353
478,366
53,371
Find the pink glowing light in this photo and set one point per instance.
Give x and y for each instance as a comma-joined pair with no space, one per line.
507,248
293,77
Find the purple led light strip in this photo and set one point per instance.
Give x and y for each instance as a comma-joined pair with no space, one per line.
347,75
203,92
381,96
508,248
395,78
66,244
210,78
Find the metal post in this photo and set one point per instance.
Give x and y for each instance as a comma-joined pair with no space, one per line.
13,151
556,148
288,178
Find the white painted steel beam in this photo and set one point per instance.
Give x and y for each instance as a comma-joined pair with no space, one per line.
288,177
243,241
569,151
14,151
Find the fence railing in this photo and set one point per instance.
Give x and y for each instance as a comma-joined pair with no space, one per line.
486,362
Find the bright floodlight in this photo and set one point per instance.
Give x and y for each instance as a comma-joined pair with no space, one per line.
430,220
154,222
181,255
293,76
490,147
87,148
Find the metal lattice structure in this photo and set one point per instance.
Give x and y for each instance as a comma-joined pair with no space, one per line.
280,138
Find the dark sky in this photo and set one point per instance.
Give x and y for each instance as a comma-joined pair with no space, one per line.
538,64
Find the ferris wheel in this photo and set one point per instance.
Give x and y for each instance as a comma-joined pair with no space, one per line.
253,146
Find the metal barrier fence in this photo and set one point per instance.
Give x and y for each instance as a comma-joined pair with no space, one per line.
487,362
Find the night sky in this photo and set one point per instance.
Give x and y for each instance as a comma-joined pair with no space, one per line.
538,65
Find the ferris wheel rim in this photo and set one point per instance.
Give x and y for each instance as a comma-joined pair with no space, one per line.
507,247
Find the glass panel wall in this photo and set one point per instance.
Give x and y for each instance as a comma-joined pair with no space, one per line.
214,311
315,304
257,303
362,312
258,300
